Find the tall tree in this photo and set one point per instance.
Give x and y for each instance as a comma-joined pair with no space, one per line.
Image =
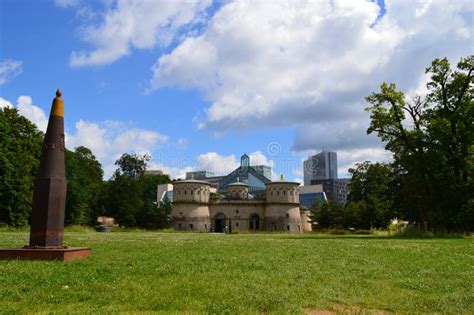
370,196
84,186
327,214
20,149
125,189
431,138
154,216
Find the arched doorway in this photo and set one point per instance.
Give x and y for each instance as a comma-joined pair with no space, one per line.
254,222
219,223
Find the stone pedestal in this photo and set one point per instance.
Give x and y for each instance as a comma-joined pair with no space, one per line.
62,254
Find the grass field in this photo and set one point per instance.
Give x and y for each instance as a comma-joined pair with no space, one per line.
270,273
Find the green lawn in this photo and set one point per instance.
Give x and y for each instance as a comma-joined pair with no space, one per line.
270,273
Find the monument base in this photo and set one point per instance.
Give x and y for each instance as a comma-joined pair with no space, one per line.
63,254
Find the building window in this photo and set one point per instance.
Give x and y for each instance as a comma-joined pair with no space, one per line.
278,193
299,228
287,227
237,211
185,191
205,227
287,215
237,224
179,226
284,192
191,226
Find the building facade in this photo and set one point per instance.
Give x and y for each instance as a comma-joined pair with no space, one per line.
196,208
335,189
320,166
309,195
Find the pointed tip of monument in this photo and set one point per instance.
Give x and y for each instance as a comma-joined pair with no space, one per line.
59,93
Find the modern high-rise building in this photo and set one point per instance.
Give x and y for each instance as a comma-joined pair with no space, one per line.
320,166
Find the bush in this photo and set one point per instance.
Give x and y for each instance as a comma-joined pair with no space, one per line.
337,232
363,232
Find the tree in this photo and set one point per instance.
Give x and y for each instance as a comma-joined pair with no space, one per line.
327,214
125,189
150,183
156,217
84,186
370,196
431,138
20,150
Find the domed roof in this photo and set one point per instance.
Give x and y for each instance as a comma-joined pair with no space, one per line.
238,184
191,181
282,181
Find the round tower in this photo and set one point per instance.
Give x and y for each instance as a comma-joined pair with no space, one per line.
237,190
191,205
282,211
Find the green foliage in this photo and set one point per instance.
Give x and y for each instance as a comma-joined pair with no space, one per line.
84,186
432,141
370,196
20,149
156,217
132,194
327,214
194,273
125,189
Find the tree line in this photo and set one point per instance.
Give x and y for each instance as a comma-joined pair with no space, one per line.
431,137
129,196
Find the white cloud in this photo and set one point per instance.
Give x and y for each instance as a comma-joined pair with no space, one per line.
308,65
224,164
139,24
4,103
174,172
9,69
34,113
348,158
258,158
109,140
182,143
66,3
305,65
217,164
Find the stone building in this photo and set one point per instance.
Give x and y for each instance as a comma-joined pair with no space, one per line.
197,208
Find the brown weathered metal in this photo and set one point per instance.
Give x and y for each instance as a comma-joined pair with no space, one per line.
49,198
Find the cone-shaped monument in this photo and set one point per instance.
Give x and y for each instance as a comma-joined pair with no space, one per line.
49,198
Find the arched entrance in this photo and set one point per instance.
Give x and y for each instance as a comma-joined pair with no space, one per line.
254,222
219,223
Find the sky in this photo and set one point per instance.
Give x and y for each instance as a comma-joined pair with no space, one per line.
196,84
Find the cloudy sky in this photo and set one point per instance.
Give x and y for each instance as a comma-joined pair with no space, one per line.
197,84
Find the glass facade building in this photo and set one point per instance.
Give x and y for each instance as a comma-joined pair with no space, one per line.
308,200
320,166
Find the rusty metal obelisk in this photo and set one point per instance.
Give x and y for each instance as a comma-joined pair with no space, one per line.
49,198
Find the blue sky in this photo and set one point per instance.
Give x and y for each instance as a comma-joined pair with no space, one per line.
198,84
